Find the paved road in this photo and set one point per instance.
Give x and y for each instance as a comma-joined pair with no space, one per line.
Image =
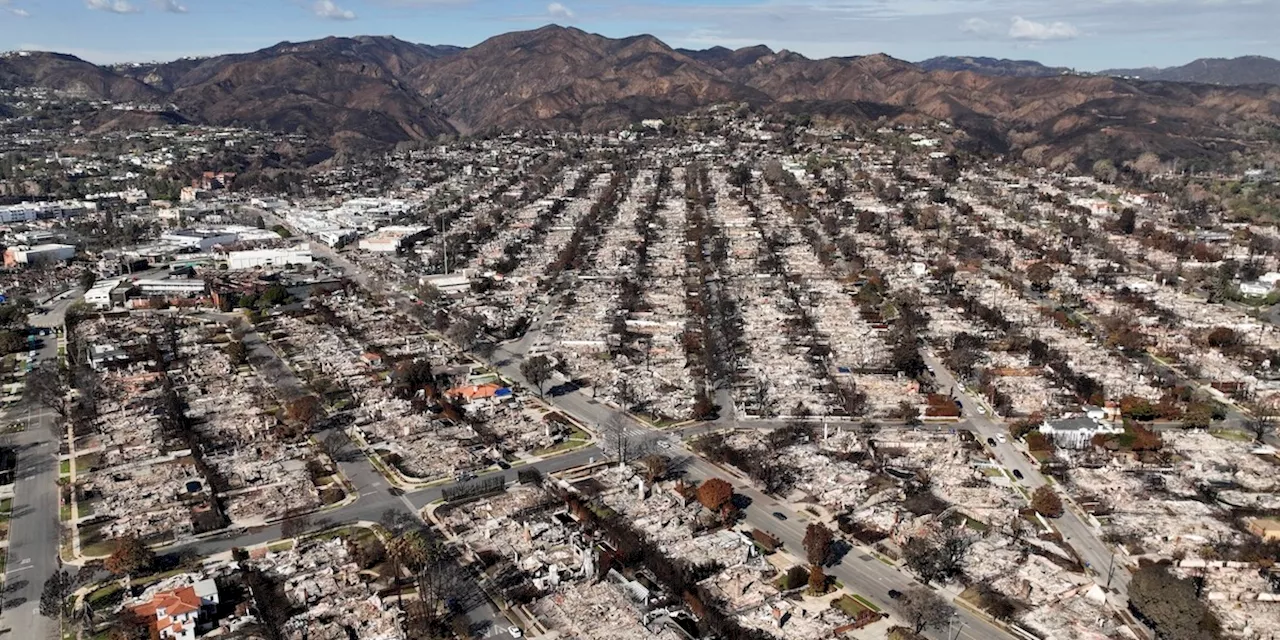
1077,533
32,555
860,572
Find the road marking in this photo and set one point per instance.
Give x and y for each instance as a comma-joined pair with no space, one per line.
17,570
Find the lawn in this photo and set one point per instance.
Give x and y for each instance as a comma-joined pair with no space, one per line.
64,467
1231,434
864,602
853,606
86,462
277,547
93,543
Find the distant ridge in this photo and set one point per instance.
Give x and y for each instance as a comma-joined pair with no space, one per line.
1224,71
374,91
992,66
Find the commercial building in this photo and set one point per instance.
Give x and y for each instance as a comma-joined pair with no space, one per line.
39,254
106,294
391,239
173,287
269,257
32,211
199,239
207,238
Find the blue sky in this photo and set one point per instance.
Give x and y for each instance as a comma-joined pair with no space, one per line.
1085,34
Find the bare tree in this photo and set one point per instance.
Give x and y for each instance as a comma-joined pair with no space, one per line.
44,385
619,442
333,445
1261,421
655,467
295,525
923,608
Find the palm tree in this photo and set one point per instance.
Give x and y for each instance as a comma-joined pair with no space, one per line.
406,551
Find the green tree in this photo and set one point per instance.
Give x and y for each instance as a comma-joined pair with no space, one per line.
12,342
537,370
237,352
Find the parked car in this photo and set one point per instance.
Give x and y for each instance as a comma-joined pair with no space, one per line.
779,515
991,441
894,594
1017,474
1002,438
515,632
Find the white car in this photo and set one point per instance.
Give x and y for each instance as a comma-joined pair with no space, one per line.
515,632
982,410
1002,438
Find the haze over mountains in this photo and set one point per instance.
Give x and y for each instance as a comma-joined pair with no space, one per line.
369,91
1223,71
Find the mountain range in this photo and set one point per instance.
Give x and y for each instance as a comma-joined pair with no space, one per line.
1223,71
1227,71
374,91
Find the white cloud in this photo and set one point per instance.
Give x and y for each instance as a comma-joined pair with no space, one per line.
1023,29
112,6
978,27
330,10
172,6
559,11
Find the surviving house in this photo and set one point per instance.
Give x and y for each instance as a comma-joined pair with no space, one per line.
1078,431
176,612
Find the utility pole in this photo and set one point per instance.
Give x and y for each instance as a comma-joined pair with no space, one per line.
1111,570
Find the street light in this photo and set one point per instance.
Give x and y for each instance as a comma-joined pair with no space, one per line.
951,621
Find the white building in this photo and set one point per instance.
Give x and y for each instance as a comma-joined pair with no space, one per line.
176,287
1255,289
39,254
1077,432
390,239
199,239
32,211
99,295
269,257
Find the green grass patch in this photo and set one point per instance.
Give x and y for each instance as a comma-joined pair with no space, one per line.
852,606
864,602
64,467
93,543
64,512
6,508
86,462
992,472
559,447
1231,434
86,508
283,545
603,512
101,596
